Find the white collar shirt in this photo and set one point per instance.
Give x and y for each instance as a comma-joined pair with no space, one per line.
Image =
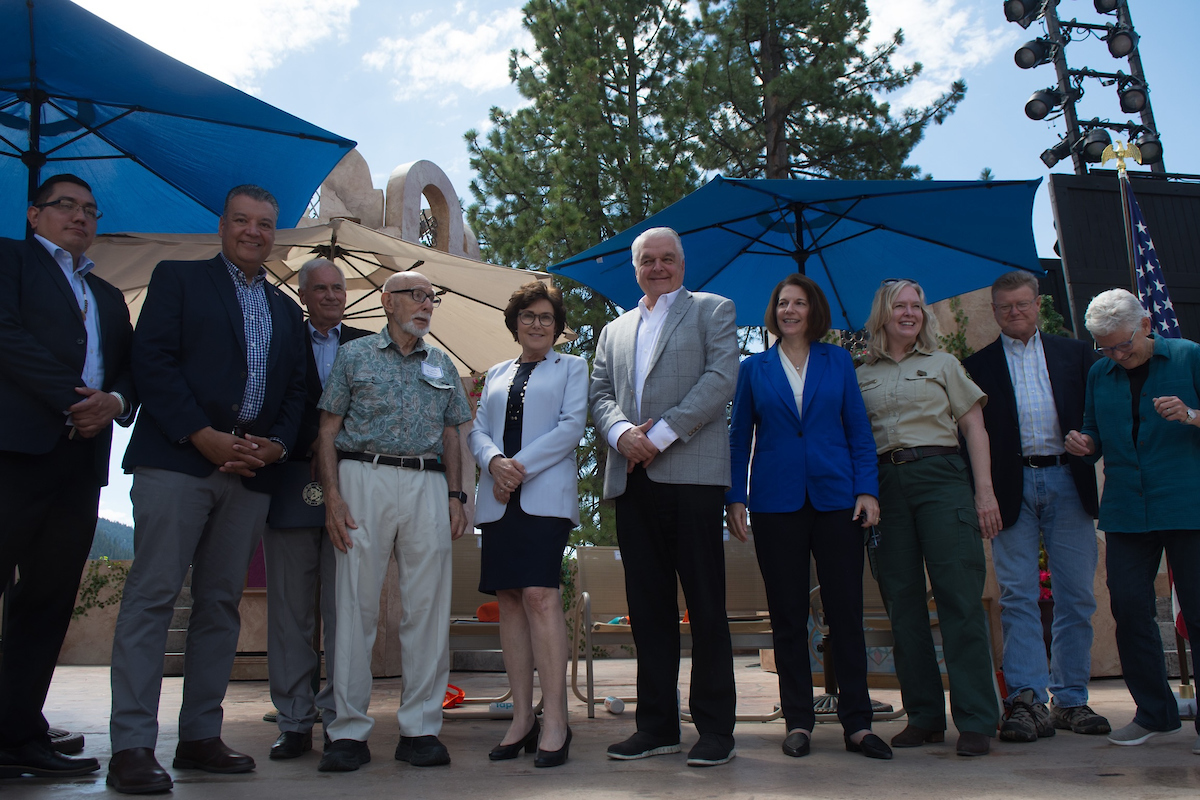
1037,415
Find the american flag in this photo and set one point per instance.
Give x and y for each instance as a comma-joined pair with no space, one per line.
1152,291
1151,286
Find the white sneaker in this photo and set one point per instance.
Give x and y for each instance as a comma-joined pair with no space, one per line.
1134,734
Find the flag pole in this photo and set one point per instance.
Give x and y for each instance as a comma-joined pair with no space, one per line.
1119,151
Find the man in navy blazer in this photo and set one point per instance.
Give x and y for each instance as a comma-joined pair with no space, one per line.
222,382
64,377
1036,386
297,553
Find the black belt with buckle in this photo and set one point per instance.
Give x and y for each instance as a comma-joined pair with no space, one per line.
910,454
407,462
1043,461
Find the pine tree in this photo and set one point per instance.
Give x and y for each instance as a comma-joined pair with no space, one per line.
792,91
602,145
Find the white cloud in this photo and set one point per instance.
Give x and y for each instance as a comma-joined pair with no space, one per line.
430,63
233,40
949,37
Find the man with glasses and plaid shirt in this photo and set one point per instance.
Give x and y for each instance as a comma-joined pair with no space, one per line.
64,378
1035,386
389,457
215,359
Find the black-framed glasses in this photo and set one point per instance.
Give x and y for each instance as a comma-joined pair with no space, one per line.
1124,347
419,295
528,318
69,206
1020,305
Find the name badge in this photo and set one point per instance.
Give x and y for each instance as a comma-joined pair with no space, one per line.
431,370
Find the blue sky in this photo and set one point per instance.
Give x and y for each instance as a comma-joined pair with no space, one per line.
407,79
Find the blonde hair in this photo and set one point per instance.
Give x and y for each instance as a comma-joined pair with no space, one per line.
881,312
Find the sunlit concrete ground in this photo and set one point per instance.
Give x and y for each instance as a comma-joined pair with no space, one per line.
1065,766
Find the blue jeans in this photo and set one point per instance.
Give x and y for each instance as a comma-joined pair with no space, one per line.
1050,507
1132,561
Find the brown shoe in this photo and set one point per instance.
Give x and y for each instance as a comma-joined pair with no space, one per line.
211,755
973,744
137,771
912,736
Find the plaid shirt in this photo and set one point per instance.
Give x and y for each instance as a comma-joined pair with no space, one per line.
256,321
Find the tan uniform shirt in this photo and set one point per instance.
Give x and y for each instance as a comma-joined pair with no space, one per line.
917,402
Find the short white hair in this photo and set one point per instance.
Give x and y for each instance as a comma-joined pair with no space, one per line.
311,266
651,233
1114,311
407,278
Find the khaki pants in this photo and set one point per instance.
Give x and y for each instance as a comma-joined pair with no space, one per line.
403,512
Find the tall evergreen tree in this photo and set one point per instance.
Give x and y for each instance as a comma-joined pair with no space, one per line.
602,145
793,91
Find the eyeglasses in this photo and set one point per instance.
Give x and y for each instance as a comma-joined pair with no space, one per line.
528,318
1124,347
69,206
890,281
419,296
1022,306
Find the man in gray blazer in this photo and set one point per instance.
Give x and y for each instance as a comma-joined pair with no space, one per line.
663,376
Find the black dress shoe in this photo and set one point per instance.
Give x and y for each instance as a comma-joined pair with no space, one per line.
871,746
503,752
291,744
344,755
912,736
68,743
422,751
211,755
796,744
38,759
137,771
973,744
554,758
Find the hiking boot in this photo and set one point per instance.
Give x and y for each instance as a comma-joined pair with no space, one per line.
1027,720
1080,719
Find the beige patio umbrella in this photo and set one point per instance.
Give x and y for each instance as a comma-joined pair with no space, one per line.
468,325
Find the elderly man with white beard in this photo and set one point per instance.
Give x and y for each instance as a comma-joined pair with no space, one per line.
388,453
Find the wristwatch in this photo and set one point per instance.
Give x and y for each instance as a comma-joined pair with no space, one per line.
1191,415
459,496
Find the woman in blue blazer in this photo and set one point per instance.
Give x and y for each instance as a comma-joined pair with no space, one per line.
529,422
814,478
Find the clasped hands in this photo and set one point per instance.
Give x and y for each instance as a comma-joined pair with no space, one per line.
240,456
636,446
94,412
507,474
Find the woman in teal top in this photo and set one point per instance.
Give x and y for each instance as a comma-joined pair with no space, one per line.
1140,416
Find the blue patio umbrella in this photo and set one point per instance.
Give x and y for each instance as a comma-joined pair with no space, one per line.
742,236
161,143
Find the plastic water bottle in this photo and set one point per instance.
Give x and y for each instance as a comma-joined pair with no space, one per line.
614,705
501,710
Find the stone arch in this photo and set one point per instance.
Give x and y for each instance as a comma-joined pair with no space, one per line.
406,186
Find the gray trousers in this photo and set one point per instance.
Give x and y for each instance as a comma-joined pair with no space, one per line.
299,560
211,524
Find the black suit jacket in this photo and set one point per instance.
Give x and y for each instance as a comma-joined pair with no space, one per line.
43,345
189,362
311,420
1067,362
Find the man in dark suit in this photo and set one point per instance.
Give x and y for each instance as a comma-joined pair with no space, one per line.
1036,386
298,553
64,378
222,382
664,374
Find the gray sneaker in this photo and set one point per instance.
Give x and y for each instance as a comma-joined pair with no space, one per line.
1080,719
1134,734
1027,719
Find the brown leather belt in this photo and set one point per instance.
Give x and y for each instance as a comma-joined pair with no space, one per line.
408,462
910,454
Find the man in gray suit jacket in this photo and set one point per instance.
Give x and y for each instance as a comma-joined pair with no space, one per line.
663,376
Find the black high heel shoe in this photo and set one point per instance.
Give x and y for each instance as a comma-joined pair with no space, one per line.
554,758
503,752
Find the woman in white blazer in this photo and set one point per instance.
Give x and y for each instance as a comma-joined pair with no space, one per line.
529,422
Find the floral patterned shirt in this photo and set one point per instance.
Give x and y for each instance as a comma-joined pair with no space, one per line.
391,403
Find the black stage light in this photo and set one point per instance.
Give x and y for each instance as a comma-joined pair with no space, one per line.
1057,153
1150,147
1023,12
1105,6
1033,53
1094,143
1132,96
1121,40
1041,103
